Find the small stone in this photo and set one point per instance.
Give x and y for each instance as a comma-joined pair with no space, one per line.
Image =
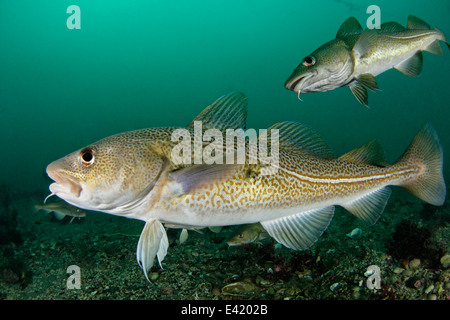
334,286
414,264
355,233
429,289
398,270
153,276
445,261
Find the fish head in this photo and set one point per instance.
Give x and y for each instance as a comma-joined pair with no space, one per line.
111,175
327,68
244,235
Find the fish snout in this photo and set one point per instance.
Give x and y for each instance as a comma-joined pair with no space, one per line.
64,184
295,83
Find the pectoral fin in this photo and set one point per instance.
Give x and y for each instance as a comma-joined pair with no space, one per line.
301,230
198,177
359,92
153,242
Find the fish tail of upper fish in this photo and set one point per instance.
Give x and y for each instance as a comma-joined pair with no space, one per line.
425,153
435,47
418,24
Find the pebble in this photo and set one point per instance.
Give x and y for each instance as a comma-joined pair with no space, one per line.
153,276
414,263
334,286
355,233
429,289
398,270
445,261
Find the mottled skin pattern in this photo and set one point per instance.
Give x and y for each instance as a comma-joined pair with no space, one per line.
302,182
131,177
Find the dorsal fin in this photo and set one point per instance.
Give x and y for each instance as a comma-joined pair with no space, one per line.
227,112
417,23
392,26
369,153
349,27
296,137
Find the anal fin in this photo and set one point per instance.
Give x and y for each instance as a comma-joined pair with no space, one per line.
411,67
370,206
152,242
434,47
301,230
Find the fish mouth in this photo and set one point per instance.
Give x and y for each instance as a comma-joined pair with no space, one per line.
64,184
295,83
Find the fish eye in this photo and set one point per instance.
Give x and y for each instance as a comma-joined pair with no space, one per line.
309,61
86,157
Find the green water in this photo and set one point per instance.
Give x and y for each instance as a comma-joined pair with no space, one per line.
137,64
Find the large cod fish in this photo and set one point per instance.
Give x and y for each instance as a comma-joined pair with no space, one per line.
355,57
132,174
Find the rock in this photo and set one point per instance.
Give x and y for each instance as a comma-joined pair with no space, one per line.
445,261
334,286
429,289
153,276
355,233
398,270
414,264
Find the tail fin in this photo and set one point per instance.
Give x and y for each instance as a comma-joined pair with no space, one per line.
426,151
435,46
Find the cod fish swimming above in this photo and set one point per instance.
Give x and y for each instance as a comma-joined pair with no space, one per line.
355,57
133,174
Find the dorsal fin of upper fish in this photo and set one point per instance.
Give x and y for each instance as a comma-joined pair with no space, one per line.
299,138
299,231
351,26
369,153
227,112
391,26
415,23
